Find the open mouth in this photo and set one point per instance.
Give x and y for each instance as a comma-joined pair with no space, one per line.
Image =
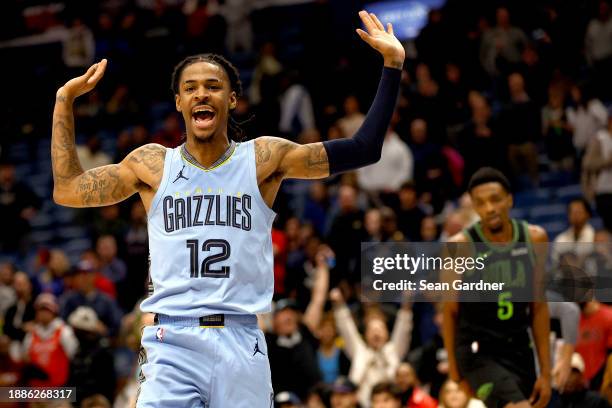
203,118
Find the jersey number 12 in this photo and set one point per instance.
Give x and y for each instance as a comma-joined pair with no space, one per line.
206,269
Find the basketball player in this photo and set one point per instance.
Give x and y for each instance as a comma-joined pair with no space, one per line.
209,220
488,344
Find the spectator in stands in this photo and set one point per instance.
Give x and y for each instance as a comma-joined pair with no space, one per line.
171,133
452,396
51,279
594,340
599,262
579,235
344,394
85,293
429,229
431,173
502,45
409,215
297,112
454,96
268,66
291,348
597,173
11,370
92,369
78,46
353,118
317,206
479,135
389,231
286,399
394,168
346,232
520,126
19,316
91,154
411,394
111,265
565,319
373,225
576,393
598,48
108,221
376,356
586,116
386,395
333,361
122,108
292,345
18,206
453,224
136,254
556,131
7,292
50,345
430,361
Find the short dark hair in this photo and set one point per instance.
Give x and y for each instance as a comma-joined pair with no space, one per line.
388,388
408,185
488,175
584,202
234,130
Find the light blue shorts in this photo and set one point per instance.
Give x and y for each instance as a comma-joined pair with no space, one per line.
184,364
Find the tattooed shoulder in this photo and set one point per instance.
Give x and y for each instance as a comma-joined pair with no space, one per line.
271,148
262,150
150,157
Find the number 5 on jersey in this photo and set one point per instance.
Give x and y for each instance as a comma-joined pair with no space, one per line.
505,308
206,269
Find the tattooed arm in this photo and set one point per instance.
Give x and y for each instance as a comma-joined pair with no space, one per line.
140,170
286,159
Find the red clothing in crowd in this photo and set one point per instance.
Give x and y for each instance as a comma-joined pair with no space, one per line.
420,399
595,339
279,244
49,355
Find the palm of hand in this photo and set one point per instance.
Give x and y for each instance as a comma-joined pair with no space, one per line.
384,41
86,82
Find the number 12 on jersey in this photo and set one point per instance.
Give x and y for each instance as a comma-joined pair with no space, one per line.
205,269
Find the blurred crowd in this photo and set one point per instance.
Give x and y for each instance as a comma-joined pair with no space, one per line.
523,87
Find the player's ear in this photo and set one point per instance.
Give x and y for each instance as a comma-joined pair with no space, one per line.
510,201
177,101
233,100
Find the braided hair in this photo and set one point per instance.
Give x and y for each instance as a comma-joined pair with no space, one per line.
234,131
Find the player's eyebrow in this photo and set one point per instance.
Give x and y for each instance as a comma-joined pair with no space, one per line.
188,81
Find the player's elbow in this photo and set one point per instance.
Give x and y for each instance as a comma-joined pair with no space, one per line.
60,198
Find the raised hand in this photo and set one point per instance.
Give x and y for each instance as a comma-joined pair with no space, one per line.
84,83
382,41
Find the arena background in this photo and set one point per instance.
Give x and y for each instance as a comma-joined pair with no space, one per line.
470,97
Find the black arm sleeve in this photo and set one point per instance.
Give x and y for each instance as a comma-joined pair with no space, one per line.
366,146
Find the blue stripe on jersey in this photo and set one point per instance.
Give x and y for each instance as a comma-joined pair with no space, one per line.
210,239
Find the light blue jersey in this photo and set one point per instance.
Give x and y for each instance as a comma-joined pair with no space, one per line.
210,238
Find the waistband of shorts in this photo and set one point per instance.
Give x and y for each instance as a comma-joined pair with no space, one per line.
215,321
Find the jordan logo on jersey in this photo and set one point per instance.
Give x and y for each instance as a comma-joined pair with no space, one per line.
180,175
257,350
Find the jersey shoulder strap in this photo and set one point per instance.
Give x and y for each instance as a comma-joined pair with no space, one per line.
472,233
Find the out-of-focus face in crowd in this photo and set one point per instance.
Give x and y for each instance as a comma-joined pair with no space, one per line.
405,378
286,322
452,396
376,333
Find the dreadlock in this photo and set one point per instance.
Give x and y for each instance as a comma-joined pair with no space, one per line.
234,130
